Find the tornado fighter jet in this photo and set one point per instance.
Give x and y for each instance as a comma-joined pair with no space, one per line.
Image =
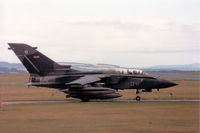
44,72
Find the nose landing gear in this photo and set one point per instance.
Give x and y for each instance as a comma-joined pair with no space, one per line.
138,98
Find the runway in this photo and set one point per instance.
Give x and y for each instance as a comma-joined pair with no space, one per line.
78,101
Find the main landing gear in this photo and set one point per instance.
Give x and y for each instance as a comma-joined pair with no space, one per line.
138,98
85,99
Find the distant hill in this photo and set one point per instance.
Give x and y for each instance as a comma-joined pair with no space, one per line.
11,65
186,67
90,67
6,67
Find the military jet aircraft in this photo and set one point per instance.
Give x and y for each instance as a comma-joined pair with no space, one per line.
44,72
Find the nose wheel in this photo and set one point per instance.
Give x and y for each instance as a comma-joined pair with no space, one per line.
138,98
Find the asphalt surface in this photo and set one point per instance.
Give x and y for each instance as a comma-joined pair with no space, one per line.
78,101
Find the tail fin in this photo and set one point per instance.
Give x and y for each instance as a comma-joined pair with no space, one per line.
35,62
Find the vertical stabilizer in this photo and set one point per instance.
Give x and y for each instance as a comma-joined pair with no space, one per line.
34,61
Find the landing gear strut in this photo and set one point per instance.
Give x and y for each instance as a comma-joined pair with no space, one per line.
138,98
85,99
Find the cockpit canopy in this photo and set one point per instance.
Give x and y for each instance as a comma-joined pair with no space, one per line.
130,71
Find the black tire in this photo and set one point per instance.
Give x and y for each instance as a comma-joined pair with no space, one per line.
138,98
85,99
67,96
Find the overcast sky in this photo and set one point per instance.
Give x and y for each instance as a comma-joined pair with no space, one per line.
129,33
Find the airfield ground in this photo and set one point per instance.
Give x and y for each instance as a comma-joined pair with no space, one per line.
173,117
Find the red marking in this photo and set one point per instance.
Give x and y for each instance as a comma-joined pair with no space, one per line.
183,80
36,56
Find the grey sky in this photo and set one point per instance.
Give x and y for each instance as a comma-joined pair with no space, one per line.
131,33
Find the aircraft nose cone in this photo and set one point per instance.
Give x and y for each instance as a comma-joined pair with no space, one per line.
166,83
170,83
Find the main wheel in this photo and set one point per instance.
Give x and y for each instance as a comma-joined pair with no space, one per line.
85,99
138,98
67,96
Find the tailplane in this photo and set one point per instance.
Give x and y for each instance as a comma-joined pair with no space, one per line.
35,62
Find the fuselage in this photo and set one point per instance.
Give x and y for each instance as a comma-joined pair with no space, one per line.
114,81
